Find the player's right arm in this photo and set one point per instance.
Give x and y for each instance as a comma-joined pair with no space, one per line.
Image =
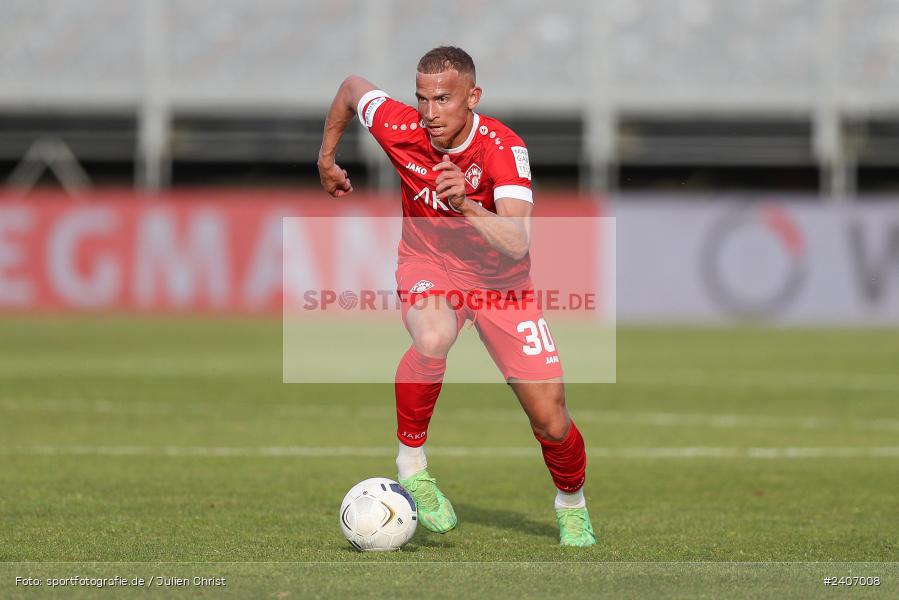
342,111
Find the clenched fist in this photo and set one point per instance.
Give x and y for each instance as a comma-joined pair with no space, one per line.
450,183
334,179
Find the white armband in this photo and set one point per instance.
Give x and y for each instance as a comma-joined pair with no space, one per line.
374,99
518,192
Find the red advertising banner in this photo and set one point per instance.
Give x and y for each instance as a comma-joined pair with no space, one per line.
185,251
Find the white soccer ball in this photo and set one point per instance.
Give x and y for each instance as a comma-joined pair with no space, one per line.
378,514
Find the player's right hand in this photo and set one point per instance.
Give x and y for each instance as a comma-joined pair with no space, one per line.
334,179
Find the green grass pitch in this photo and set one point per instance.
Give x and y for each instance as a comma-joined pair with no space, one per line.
724,463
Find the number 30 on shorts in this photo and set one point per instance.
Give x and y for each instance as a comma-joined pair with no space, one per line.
535,333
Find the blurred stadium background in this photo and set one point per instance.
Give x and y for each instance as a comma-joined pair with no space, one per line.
675,115
694,95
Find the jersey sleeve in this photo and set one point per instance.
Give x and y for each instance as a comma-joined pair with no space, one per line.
510,171
388,120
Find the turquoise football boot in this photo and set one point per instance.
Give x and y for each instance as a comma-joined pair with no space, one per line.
574,527
435,511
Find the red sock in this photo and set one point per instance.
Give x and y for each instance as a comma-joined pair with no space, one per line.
566,460
418,382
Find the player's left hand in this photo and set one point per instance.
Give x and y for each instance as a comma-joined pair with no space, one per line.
450,182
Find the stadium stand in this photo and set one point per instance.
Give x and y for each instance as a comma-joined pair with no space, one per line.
598,88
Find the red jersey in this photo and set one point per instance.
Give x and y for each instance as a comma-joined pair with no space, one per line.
495,163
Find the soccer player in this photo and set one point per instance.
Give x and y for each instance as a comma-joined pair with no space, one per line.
465,177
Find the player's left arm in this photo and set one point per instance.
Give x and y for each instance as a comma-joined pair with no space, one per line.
508,230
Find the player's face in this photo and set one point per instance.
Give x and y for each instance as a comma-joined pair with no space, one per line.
445,103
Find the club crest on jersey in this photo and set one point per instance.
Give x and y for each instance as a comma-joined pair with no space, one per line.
473,175
422,286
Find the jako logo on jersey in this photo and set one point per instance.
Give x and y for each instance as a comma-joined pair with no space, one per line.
473,175
422,286
420,170
551,360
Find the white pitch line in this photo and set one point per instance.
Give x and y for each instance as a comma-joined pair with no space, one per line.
109,366
806,380
736,421
691,452
231,366
91,407
301,410
668,419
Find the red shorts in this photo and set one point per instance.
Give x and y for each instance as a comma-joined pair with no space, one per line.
509,322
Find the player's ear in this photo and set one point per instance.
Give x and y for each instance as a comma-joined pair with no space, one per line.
474,97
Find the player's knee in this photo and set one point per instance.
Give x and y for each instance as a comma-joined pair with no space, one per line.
555,422
551,430
434,342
